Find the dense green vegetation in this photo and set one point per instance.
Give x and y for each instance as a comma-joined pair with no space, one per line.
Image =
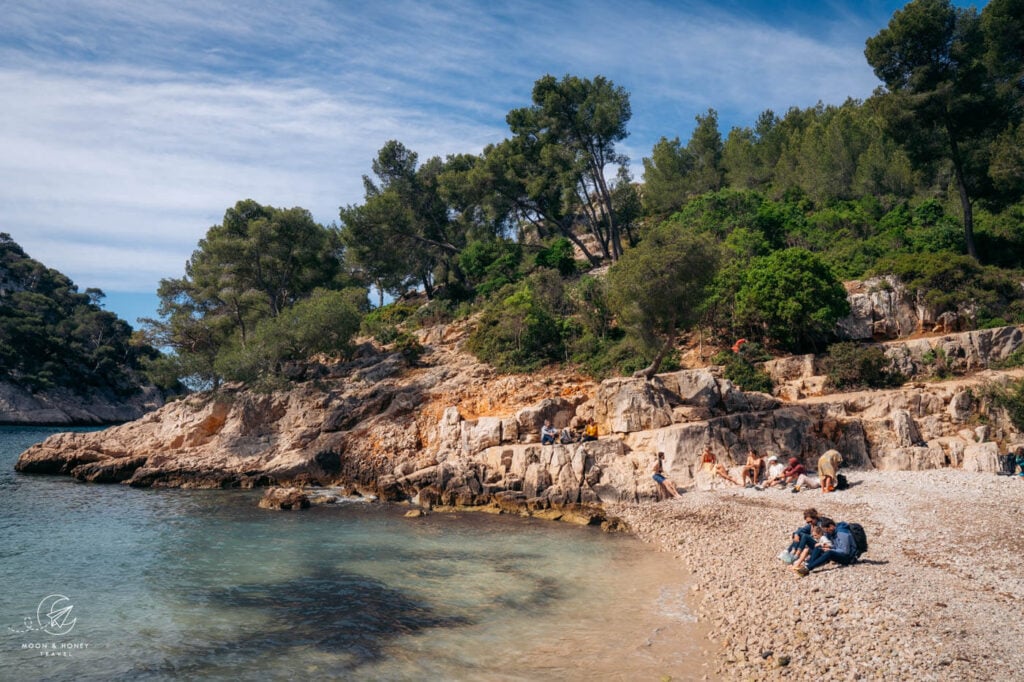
746,234
51,335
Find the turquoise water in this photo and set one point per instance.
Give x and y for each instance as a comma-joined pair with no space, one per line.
176,584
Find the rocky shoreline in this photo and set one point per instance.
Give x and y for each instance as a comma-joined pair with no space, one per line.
938,596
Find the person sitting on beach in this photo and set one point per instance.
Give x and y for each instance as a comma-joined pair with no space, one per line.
548,433
806,482
589,431
710,464
666,486
815,545
1019,459
753,470
793,471
828,465
841,547
802,537
774,475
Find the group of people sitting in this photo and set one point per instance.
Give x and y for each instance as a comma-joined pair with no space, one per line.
762,472
820,541
549,435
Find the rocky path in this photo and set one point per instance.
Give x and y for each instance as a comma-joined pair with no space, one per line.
938,596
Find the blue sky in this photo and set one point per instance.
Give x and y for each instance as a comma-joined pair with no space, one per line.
129,126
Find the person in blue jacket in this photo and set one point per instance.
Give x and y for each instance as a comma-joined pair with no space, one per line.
844,547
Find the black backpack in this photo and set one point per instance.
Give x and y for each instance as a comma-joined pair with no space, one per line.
860,538
841,482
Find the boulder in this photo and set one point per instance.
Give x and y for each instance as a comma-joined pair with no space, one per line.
982,457
904,429
480,434
284,499
630,404
694,387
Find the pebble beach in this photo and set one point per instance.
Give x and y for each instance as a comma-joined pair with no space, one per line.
938,596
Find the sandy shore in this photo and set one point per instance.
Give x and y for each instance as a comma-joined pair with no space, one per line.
938,596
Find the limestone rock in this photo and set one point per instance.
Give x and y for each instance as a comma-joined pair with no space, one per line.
284,499
630,404
982,457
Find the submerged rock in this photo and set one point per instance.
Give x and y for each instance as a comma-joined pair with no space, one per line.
284,499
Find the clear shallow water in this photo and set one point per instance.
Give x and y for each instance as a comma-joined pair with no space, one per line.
204,585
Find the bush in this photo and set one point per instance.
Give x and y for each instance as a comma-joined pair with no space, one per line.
791,298
409,347
740,370
516,333
558,256
382,323
1009,398
850,365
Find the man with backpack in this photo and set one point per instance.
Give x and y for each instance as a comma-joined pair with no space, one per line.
845,546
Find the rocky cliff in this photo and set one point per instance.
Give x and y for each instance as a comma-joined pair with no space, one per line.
62,406
451,431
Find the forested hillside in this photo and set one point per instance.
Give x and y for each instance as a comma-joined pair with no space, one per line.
53,336
557,254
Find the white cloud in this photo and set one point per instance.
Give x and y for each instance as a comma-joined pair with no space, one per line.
128,127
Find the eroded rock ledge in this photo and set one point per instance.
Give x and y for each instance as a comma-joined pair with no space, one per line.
453,433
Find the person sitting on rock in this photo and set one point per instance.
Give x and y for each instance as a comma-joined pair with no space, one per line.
548,433
774,475
828,465
841,547
710,464
589,431
753,470
566,436
664,484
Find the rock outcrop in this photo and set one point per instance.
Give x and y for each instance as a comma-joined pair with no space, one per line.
451,432
61,406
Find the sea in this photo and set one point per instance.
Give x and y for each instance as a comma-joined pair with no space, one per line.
108,582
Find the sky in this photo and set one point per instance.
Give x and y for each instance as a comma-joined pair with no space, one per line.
128,127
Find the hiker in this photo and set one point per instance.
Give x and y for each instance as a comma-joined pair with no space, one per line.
710,464
828,465
802,537
774,475
589,431
753,469
842,547
1019,457
548,433
667,486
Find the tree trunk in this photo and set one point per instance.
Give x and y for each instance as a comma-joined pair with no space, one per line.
965,198
650,370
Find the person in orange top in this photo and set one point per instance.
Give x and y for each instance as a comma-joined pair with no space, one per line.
710,463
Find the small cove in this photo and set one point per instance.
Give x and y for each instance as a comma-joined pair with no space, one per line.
204,585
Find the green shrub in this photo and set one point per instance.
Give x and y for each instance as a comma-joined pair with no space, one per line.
409,346
850,365
382,323
559,256
515,333
742,372
1009,398
790,298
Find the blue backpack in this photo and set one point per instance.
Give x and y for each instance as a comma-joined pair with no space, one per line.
860,538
